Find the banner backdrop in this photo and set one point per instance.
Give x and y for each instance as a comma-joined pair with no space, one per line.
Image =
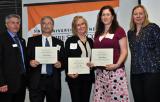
33,10
63,13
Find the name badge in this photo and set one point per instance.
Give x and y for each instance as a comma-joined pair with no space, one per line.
110,36
73,46
14,45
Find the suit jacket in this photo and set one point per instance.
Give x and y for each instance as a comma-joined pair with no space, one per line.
10,59
35,73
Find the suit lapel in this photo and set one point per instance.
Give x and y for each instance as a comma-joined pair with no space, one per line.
53,44
39,40
10,39
10,42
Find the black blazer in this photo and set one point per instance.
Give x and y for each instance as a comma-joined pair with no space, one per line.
76,53
10,58
35,73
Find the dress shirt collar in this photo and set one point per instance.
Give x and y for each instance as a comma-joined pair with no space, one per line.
12,34
49,38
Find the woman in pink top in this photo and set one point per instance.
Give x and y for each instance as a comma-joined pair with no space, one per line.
111,82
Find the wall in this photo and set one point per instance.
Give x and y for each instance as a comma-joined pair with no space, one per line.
124,14
152,9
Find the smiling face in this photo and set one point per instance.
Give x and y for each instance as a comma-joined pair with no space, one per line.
107,17
47,26
81,26
138,16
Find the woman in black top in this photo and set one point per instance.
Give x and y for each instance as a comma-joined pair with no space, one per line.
79,45
144,42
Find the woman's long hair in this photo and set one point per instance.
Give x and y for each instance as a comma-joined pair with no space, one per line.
100,27
146,20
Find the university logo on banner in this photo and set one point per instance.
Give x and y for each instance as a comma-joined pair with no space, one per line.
63,13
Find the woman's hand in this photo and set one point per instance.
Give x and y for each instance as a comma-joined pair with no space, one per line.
73,75
111,66
90,65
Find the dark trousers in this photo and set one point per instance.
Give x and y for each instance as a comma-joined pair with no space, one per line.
46,90
146,87
18,96
80,90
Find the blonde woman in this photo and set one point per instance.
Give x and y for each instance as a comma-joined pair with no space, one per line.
144,42
79,45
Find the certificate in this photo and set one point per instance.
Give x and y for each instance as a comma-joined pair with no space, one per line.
78,65
102,57
46,55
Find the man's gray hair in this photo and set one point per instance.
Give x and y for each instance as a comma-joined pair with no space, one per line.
47,17
12,16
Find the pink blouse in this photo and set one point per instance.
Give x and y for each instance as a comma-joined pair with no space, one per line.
112,43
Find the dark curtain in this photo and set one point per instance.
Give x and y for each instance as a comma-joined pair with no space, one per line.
9,7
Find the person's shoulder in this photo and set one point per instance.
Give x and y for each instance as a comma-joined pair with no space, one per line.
22,39
35,37
153,25
1,34
72,39
89,39
129,32
4,33
20,36
120,31
120,28
57,40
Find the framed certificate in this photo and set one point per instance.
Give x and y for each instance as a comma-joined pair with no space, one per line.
102,57
78,65
46,55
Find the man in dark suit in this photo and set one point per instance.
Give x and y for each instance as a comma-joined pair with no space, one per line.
45,83
12,62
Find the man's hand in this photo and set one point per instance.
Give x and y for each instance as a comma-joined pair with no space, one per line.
4,88
34,63
57,64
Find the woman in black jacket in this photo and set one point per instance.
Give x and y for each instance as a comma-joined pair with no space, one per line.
79,45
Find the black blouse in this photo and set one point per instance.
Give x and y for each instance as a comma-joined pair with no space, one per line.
77,52
145,50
